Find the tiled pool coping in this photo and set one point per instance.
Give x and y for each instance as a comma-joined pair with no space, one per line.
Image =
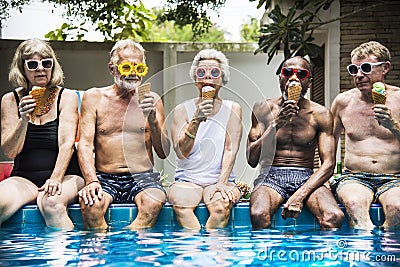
30,216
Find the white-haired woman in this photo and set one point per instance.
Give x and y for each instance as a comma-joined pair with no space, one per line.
206,133
42,145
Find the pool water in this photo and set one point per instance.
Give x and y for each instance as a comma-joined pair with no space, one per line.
172,246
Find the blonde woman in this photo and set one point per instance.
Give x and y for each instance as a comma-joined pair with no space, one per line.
42,145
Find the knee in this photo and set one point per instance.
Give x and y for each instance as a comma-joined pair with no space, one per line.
260,218
91,210
151,197
53,205
149,207
392,208
219,208
182,211
354,203
332,219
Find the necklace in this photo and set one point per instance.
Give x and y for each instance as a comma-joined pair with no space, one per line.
45,105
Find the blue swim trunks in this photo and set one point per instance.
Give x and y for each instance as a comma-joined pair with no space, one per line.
125,186
378,183
284,180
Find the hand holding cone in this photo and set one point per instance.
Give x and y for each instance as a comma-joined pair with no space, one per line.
37,93
142,90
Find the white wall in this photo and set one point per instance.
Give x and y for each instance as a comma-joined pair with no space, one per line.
85,66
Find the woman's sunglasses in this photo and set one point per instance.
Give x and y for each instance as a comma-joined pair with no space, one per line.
202,72
365,68
300,73
33,64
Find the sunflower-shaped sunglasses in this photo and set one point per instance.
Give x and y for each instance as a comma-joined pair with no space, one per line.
127,68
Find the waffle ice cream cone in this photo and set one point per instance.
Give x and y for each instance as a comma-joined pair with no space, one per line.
37,93
294,91
208,92
378,93
142,90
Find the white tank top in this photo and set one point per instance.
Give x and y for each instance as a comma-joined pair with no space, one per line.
203,165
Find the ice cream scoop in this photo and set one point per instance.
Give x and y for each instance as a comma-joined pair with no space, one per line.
379,93
208,92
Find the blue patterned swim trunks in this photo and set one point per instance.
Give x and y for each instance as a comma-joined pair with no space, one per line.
378,183
125,186
284,180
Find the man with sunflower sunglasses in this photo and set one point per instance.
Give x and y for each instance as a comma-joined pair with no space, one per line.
282,139
372,140
122,130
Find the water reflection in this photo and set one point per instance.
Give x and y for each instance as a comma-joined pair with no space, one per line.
224,247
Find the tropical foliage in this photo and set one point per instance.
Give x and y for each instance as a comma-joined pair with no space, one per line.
115,19
169,30
293,32
250,31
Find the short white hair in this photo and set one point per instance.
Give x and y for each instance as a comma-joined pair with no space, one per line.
211,54
122,44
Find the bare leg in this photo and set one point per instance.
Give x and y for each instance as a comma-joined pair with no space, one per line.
149,203
357,200
324,207
15,192
264,202
390,201
93,216
185,197
218,207
54,208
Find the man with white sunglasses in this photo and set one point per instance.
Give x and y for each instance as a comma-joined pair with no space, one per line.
372,140
282,139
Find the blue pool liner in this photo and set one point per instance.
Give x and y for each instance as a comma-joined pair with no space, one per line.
119,214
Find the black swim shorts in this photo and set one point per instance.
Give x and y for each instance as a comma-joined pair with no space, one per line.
125,186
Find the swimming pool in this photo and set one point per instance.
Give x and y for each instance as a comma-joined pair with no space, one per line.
295,242
40,246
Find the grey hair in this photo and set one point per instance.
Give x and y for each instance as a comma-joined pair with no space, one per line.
122,44
26,50
211,54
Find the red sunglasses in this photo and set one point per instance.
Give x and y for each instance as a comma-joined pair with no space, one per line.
300,73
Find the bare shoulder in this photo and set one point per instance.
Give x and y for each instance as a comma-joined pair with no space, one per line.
393,89
69,93
236,111
8,97
180,109
94,95
346,97
321,112
236,107
265,106
96,91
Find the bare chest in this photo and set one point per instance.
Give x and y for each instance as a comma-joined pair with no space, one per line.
115,117
360,123
301,132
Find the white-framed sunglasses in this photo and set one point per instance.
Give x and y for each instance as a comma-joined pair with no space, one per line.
365,67
33,64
